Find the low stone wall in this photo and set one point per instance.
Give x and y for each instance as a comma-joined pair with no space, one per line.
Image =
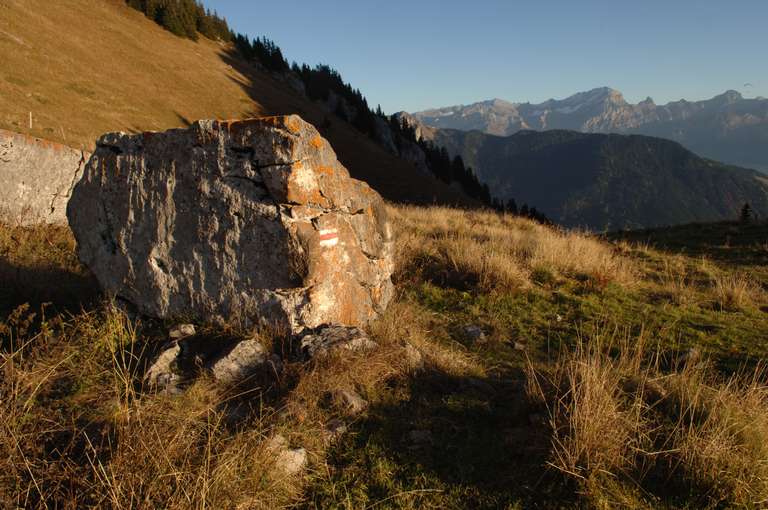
36,178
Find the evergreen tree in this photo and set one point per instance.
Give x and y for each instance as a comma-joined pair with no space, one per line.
746,213
512,206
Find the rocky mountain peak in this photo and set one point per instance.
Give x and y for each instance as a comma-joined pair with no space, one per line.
728,97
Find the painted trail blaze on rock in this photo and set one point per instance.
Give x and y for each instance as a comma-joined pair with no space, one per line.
329,237
252,220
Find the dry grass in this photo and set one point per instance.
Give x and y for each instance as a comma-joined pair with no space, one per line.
499,251
616,415
624,425
74,388
735,291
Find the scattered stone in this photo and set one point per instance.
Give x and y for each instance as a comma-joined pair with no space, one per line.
234,221
242,361
326,339
161,374
334,429
348,401
228,360
474,334
414,360
181,331
292,462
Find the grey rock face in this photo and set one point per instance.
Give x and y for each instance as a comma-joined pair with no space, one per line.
248,221
474,333
243,360
37,177
162,373
329,338
181,331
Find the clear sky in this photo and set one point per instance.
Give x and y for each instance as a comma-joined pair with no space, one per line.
418,54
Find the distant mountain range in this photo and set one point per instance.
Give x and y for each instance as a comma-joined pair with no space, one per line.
727,127
605,181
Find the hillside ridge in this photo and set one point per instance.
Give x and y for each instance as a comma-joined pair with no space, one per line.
607,181
727,127
125,73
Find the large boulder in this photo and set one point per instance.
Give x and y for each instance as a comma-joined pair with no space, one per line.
248,221
37,178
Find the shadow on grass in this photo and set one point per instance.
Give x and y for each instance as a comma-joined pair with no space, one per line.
731,242
66,291
449,442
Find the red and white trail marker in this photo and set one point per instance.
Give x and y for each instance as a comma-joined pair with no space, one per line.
329,237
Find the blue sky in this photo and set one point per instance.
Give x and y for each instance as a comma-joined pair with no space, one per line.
412,55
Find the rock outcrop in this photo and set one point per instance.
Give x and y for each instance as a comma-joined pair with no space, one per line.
248,221
37,177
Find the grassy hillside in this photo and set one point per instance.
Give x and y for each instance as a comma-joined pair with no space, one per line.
608,181
607,375
85,67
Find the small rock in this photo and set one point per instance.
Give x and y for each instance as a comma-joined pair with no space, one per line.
321,342
414,360
474,334
334,429
348,401
292,462
243,360
181,331
161,373
520,346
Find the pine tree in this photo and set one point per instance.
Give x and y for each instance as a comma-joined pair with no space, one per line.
746,213
512,206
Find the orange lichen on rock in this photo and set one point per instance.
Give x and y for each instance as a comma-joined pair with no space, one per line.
317,142
325,170
292,123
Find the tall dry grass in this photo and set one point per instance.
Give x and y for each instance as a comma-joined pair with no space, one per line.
499,251
617,415
735,291
79,429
